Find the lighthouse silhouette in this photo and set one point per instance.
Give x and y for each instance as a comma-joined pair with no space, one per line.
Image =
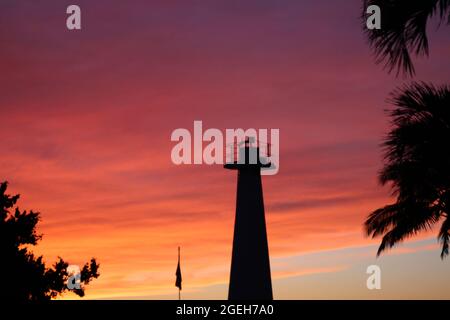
250,266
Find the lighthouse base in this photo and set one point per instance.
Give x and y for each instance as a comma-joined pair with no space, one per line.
250,267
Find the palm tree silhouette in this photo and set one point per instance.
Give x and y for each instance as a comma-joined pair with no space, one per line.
403,30
417,165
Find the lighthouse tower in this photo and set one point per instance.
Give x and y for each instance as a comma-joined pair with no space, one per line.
250,267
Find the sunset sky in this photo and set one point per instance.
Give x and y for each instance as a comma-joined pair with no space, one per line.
86,118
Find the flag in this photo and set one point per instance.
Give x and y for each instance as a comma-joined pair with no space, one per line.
178,273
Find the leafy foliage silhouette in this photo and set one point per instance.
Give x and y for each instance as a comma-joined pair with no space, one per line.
25,276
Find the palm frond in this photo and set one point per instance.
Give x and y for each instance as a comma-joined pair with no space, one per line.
381,220
399,221
416,165
411,220
415,150
403,31
444,237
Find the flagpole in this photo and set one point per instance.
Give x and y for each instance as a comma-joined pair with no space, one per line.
179,290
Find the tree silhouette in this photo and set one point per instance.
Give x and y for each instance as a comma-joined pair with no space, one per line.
403,30
416,161
25,276
417,165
